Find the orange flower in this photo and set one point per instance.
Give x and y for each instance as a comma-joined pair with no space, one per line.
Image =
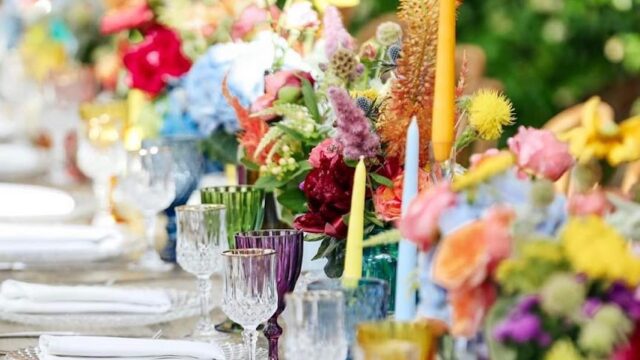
388,201
468,308
462,259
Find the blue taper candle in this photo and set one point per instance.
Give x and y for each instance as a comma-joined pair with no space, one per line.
408,252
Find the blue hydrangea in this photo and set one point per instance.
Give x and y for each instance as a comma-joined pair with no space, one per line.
176,119
244,65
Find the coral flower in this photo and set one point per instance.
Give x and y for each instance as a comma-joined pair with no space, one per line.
602,138
468,308
594,202
420,224
134,14
388,200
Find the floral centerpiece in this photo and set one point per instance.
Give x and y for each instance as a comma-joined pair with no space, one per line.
309,128
500,232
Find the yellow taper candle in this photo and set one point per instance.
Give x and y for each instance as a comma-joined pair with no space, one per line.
442,131
355,235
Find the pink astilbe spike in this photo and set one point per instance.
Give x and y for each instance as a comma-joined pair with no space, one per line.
355,132
335,35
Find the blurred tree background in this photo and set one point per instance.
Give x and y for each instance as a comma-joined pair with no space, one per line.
549,54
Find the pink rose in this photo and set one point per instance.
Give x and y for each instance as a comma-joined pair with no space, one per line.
329,148
250,18
593,202
541,153
420,224
284,86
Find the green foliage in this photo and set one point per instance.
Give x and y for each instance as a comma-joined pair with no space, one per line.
221,146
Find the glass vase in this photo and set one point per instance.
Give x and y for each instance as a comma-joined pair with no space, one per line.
381,262
188,168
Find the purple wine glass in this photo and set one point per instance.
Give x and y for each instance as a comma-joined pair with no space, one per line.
288,245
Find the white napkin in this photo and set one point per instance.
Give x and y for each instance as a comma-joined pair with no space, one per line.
20,297
58,243
108,348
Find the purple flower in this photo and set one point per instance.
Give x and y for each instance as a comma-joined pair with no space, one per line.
527,304
591,306
354,129
335,35
624,297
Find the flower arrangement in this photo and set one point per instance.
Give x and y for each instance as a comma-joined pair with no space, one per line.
309,126
542,276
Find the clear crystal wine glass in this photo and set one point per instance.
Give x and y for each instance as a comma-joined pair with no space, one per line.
101,155
250,295
315,326
148,183
201,235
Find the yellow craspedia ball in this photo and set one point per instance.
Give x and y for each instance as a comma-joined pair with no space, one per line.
563,350
489,111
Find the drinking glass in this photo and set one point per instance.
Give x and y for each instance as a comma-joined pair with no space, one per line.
245,207
101,153
148,183
188,168
288,246
375,336
201,235
250,295
365,299
315,326
245,212
381,262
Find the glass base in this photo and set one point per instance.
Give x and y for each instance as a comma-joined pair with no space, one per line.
151,261
205,331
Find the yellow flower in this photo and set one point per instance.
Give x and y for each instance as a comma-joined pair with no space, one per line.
543,250
484,171
563,350
489,111
596,249
369,94
602,138
322,4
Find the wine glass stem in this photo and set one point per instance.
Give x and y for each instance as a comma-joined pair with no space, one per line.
250,337
101,191
150,231
204,289
272,332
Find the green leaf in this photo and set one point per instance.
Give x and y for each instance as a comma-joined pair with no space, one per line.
294,200
250,165
372,218
310,100
222,147
326,242
267,182
291,132
381,180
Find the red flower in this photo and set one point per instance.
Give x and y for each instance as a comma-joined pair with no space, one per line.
132,17
328,190
156,59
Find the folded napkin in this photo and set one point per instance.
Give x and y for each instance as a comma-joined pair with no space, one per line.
58,243
20,297
107,348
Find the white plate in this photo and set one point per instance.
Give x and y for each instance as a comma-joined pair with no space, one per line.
21,161
184,304
33,203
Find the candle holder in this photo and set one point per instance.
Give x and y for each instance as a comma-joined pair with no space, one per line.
381,262
398,337
365,300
